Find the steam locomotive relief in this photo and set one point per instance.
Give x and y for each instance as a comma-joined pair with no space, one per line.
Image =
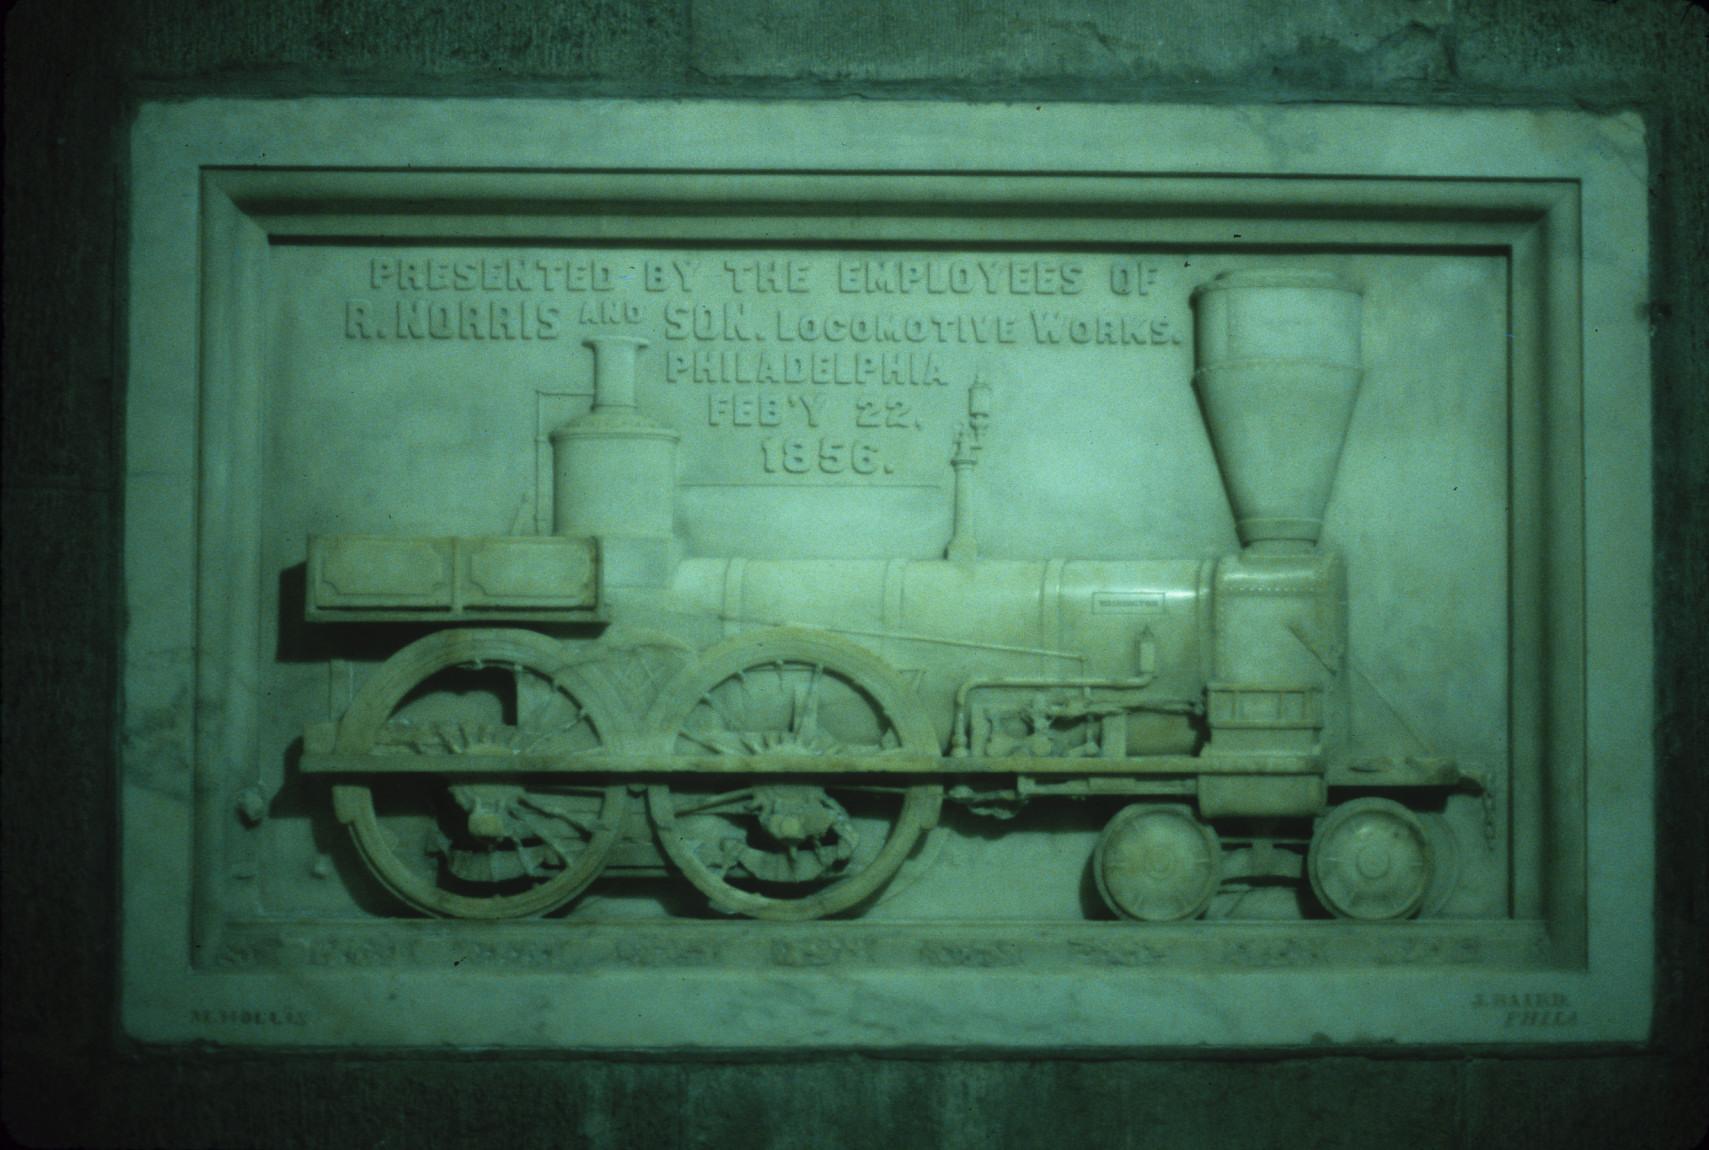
785,734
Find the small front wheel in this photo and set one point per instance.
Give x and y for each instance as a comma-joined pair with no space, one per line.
1370,860
1157,863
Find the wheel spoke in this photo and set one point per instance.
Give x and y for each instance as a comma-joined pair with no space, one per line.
718,709
565,727
706,803
557,808
806,717
718,742
566,851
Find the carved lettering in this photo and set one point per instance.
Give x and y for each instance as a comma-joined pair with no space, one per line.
1130,277
832,456
971,953
608,311
668,275
795,322
1404,950
356,951
733,320
513,954
842,368
768,275
744,409
1272,952
911,276
794,326
249,1016
639,952
821,951
423,319
1540,1018
892,413
497,273
811,406
1103,328
1529,1010
240,955
1117,953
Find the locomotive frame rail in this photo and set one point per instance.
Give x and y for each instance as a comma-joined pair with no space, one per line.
333,763
1429,773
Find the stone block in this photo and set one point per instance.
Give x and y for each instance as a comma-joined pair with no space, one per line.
622,39
1248,43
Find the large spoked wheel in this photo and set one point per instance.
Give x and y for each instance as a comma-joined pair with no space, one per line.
791,847
480,846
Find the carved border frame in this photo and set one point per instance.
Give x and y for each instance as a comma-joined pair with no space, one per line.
1561,196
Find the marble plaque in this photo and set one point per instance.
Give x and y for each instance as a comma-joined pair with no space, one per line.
618,575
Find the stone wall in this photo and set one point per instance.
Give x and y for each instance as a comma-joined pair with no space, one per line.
73,72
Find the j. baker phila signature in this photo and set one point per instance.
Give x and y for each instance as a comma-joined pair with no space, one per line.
1537,1009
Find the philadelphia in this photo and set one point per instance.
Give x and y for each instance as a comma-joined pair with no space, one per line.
754,365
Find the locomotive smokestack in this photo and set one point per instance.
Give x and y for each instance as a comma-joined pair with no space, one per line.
614,370
1278,369
614,473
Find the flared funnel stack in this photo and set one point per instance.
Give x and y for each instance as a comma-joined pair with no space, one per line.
1278,371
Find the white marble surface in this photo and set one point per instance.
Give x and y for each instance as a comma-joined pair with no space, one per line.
241,422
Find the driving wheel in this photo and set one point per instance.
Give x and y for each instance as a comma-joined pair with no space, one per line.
791,846
480,845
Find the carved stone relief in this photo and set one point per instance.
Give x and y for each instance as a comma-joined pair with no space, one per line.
720,584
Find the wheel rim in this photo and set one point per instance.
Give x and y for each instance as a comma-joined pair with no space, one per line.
1370,860
782,849
1157,864
503,850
